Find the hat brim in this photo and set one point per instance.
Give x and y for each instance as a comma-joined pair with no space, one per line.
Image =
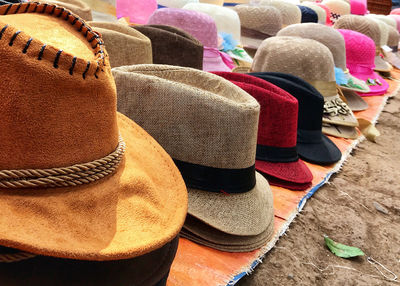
355,101
203,234
138,209
339,119
215,64
295,172
237,214
251,43
364,88
381,65
374,89
340,131
324,152
393,59
287,185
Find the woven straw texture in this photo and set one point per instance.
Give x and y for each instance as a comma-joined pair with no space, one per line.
393,39
227,20
305,58
383,31
266,19
290,13
120,40
317,9
361,24
78,7
175,3
338,8
199,25
323,34
205,119
360,49
388,20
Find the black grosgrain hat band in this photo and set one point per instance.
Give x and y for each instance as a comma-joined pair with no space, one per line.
217,180
309,136
276,154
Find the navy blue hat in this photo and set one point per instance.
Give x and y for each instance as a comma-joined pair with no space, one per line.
308,15
312,145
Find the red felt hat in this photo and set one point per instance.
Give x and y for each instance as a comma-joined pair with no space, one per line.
277,156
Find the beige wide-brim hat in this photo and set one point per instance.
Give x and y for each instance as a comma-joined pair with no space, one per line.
247,213
291,14
311,61
381,65
340,131
202,233
78,7
125,46
354,101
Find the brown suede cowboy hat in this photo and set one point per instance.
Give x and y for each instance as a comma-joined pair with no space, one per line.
77,179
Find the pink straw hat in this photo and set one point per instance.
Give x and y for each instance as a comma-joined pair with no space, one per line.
358,7
360,56
202,27
395,11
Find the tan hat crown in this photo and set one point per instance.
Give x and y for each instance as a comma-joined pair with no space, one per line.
265,19
361,24
323,34
305,58
223,132
47,130
290,13
393,39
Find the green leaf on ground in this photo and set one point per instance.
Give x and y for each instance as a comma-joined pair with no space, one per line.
342,250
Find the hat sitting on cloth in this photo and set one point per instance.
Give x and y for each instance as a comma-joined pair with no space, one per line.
120,40
257,24
200,26
360,53
174,3
311,61
380,64
308,15
19,268
81,175
212,138
317,9
276,155
77,7
290,13
368,27
334,41
338,9
393,41
173,46
312,145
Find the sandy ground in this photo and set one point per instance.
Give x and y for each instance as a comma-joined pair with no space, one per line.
345,211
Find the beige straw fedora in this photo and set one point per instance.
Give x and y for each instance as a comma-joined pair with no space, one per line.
311,61
257,24
291,14
124,45
209,126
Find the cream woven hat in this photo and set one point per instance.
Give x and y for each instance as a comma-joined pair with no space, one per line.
338,9
388,20
290,13
175,3
227,20
311,61
209,126
392,57
125,45
320,12
257,24
332,39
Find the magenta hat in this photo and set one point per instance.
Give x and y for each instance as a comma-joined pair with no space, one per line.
358,7
360,57
203,28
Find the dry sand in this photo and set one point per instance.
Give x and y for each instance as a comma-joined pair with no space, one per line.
344,210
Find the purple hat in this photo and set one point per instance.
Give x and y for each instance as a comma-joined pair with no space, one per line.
202,27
